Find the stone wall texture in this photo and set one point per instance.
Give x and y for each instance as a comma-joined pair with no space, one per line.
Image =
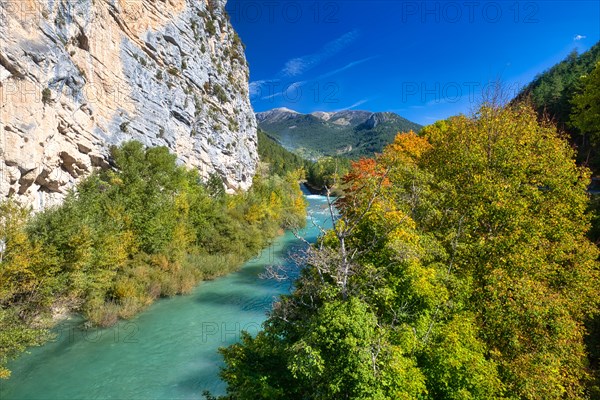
79,76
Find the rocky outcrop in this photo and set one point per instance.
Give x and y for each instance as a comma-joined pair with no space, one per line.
276,115
79,76
378,118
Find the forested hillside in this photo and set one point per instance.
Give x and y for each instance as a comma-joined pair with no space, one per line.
552,94
280,160
350,133
327,171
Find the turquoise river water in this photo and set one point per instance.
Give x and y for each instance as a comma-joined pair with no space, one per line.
167,352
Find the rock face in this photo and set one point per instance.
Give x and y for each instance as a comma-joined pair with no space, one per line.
79,76
378,118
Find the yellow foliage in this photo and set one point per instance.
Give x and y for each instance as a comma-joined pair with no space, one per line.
125,288
254,214
407,147
275,204
161,261
82,245
182,204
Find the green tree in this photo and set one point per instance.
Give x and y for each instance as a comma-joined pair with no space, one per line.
586,112
552,95
280,160
327,172
586,117
517,201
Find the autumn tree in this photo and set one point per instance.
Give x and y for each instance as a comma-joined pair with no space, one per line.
27,280
466,250
517,201
145,228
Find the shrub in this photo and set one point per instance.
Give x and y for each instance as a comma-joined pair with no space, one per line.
210,27
219,92
46,96
124,127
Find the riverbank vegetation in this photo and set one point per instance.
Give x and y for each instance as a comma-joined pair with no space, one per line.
459,268
327,172
145,229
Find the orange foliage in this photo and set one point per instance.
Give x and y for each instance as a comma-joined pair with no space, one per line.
408,147
365,177
363,171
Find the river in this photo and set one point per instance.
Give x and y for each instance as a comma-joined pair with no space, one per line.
167,352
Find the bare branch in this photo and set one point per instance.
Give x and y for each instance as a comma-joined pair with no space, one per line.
275,272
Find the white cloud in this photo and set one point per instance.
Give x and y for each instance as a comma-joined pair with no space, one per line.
295,85
345,67
299,65
579,37
289,90
358,103
255,87
271,88
271,96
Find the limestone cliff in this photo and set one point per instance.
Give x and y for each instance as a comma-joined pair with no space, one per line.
79,75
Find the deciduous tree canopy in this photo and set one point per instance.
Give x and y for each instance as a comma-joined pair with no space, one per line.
463,271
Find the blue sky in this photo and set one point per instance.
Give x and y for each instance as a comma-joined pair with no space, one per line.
423,60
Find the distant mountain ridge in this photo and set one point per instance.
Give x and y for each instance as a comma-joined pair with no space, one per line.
349,133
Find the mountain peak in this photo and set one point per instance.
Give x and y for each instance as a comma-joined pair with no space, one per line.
325,116
276,114
285,109
354,133
375,119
